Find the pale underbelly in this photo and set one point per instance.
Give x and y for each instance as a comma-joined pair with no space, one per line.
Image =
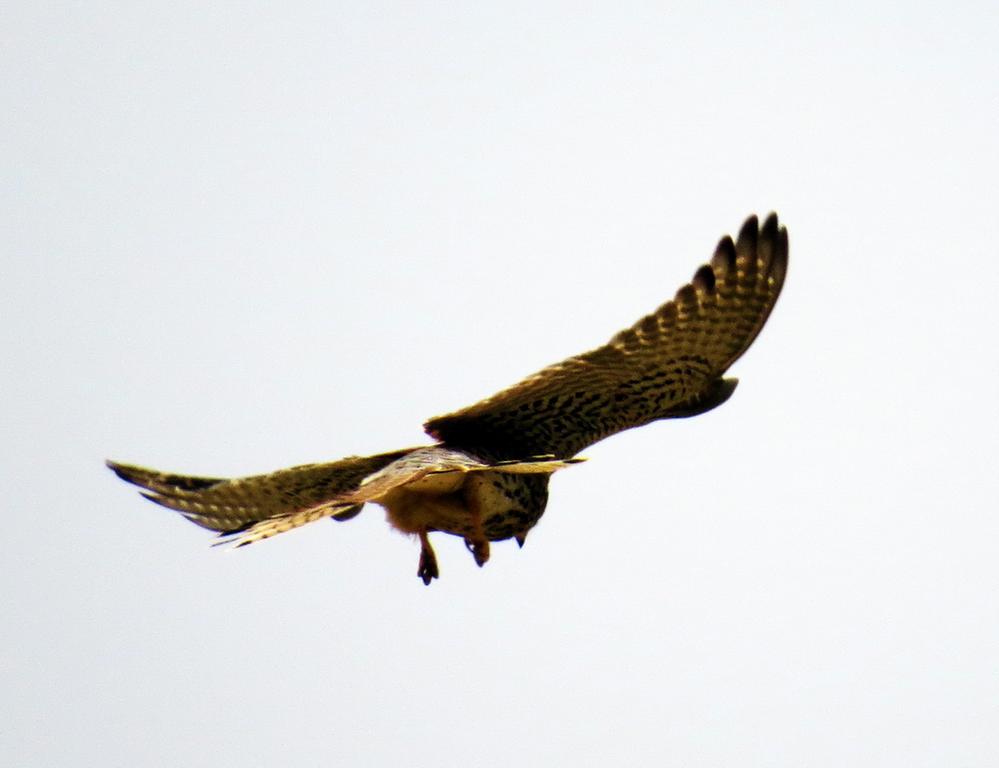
478,506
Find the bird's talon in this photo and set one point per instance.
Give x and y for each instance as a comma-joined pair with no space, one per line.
479,550
427,569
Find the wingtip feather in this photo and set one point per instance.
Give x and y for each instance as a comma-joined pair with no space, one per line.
704,279
748,240
778,267
127,472
723,260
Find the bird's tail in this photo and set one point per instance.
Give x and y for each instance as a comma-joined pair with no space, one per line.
259,506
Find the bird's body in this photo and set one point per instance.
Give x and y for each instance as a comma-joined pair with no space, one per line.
487,477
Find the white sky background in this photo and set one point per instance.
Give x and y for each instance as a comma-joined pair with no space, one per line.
241,238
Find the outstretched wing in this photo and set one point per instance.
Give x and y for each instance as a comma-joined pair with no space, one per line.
669,364
232,506
250,509
431,469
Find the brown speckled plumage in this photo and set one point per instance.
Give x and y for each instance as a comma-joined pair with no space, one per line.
667,364
487,478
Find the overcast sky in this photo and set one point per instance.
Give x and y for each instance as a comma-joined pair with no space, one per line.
242,237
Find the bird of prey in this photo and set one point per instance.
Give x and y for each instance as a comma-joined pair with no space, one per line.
486,477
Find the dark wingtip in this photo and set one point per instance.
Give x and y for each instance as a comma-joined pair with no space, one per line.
724,257
778,267
749,236
768,232
773,247
768,241
704,279
767,244
127,472
770,223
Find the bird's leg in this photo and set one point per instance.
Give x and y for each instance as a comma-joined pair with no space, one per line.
428,560
479,549
477,543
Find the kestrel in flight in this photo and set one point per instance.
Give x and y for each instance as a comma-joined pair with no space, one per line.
486,478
